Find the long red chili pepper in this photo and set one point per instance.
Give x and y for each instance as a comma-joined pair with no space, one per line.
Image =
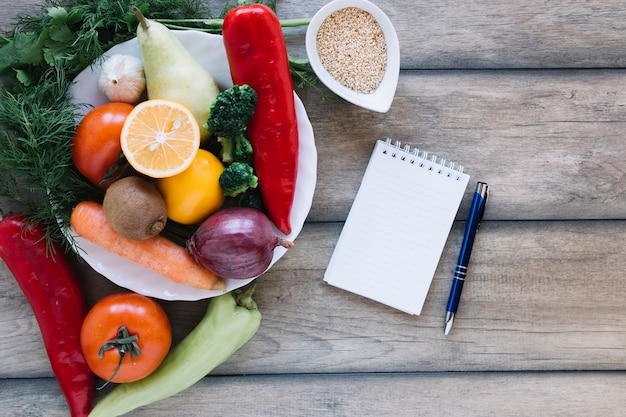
257,55
54,293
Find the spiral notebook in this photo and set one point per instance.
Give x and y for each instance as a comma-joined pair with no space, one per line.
397,227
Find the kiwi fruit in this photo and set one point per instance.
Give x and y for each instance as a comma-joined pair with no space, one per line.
135,208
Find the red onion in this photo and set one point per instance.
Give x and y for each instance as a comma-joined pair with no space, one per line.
235,242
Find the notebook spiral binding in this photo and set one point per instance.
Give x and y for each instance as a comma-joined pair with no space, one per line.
431,162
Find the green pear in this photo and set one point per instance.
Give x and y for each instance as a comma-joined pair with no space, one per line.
172,73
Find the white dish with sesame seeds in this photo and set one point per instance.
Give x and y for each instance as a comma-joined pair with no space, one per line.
354,50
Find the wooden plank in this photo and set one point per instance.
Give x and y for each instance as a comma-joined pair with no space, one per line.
477,34
540,296
11,10
550,143
509,34
499,34
400,395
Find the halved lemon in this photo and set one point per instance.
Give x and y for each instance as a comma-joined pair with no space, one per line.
160,138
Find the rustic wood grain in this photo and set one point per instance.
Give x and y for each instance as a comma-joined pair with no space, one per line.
499,34
570,394
551,143
529,97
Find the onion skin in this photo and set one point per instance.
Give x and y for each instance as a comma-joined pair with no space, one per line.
235,242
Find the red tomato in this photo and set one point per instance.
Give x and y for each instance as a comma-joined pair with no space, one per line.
145,322
96,143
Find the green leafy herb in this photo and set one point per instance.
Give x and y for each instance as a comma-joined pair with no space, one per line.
72,34
35,163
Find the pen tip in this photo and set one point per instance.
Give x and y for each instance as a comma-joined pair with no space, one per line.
448,326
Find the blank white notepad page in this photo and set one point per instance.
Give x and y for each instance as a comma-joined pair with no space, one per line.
398,225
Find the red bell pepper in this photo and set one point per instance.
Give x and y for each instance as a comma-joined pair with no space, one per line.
54,293
257,54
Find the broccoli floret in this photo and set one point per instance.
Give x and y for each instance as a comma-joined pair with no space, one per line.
231,111
228,118
237,178
251,198
238,149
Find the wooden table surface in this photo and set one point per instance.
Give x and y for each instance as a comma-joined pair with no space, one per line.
530,97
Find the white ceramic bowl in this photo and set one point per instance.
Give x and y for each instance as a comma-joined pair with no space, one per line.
379,100
209,50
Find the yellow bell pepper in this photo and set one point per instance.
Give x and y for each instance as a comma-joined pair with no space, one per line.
195,193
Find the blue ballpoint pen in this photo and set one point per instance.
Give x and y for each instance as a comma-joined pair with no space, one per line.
475,217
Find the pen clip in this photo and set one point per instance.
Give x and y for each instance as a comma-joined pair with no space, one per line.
482,189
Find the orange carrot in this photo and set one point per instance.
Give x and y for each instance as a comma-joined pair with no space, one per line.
157,253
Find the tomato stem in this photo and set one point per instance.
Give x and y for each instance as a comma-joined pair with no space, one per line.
118,170
125,344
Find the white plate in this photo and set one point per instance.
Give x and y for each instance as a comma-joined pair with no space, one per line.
209,50
380,99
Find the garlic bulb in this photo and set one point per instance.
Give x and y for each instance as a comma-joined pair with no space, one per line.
122,78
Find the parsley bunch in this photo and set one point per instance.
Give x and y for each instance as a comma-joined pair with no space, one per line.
71,34
35,162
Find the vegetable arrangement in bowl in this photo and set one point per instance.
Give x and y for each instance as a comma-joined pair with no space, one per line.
223,170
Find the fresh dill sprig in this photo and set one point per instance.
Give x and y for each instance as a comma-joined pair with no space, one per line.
35,161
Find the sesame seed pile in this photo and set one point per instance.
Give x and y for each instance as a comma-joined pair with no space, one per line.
352,48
